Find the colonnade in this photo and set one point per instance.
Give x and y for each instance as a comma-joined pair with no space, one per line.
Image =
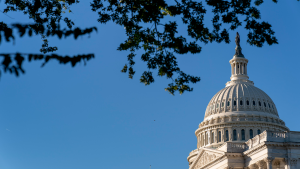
239,68
273,163
223,134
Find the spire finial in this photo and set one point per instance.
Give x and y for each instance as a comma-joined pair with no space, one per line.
238,49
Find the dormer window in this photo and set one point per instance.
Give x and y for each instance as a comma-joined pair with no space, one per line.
253,103
234,103
265,104
248,102
228,103
259,103
241,102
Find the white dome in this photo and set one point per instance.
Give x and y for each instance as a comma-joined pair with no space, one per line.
241,96
239,111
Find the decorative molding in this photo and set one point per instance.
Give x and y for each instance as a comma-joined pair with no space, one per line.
206,158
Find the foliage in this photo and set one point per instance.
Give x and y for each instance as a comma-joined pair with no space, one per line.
146,28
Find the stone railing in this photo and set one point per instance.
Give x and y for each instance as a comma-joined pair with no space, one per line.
266,136
236,147
232,147
277,136
272,136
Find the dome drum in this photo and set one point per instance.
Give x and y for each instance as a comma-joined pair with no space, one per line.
238,131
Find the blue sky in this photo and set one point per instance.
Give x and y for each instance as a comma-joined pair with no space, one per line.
93,116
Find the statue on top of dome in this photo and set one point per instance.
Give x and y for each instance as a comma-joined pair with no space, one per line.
237,39
238,49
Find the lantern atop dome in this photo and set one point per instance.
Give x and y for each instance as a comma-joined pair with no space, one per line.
238,64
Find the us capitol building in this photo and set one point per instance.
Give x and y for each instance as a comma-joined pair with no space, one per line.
242,129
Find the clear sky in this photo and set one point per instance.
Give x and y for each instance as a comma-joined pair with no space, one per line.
95,117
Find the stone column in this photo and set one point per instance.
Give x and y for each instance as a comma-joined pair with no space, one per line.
254,131
204,134
230,133
198,141
243,70
209,137
215,135
235,66
238,132
287,163
269,160
202,139
247,134
223,134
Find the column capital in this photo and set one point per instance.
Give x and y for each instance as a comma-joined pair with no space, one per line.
293,161
253,166
277,163
269,159
260,163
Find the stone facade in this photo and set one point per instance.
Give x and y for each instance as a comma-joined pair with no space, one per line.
242,129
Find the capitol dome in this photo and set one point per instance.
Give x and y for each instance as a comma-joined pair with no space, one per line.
242,129
241,97
238,112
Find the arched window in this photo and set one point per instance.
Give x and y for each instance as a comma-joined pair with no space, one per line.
241,102
234,103
253,103
234,135
248,102
265,104
228,103
222,104
219,136
227,137
251,133
269,105
258,131
243,134
212,137
259,103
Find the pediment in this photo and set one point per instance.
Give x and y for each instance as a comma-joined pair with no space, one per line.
206,156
